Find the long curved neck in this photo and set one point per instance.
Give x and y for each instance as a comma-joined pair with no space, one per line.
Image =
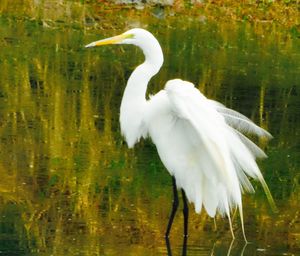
137,83
134,99
140,77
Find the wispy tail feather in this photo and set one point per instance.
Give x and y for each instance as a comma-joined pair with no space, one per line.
268,193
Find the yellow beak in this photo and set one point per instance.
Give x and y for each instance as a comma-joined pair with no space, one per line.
111,40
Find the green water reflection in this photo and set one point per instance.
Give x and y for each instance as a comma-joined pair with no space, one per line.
68,183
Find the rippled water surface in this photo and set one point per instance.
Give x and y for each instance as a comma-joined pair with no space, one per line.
68,183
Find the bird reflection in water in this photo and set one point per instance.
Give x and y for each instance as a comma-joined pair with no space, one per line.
212,252
184,246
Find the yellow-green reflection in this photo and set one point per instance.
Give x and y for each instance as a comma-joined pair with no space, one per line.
68,183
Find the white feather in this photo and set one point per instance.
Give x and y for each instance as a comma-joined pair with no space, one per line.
239,121
256,151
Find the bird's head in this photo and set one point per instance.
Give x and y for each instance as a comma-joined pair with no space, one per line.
141,38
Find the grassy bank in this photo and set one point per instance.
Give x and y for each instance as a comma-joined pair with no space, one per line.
84,13
283,12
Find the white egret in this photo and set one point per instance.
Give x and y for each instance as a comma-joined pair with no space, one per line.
199,141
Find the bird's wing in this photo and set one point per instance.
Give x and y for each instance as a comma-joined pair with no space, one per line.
219,178
207,156
188,135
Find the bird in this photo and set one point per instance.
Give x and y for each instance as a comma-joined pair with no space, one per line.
204,145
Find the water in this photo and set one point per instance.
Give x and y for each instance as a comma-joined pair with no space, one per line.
69,185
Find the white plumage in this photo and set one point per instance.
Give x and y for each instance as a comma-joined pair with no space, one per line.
205,154
200,141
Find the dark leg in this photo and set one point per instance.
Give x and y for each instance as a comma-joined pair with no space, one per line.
185,213
168,246
174,207
184,246
185,223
